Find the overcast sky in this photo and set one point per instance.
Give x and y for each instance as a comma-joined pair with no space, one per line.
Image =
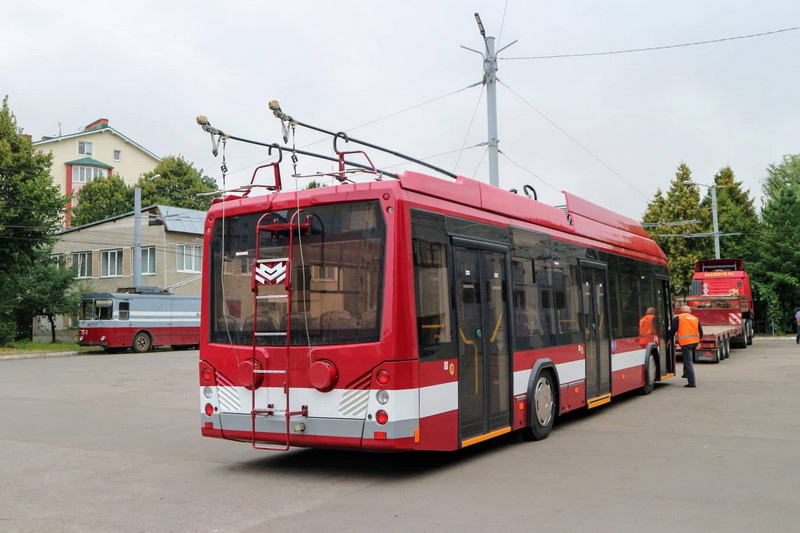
609,128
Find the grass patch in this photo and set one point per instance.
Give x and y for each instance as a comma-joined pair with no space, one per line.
42,347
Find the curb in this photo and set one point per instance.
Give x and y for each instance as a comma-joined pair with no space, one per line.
36,355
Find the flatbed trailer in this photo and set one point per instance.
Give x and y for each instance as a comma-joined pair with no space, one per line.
722,322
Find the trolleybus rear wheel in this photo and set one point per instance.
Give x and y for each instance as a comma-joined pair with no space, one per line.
649,374
542,407
142,342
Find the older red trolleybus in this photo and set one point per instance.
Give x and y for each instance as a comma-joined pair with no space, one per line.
139,318
416,313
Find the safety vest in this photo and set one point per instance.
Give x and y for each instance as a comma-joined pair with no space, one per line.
688,329
647,329
646,326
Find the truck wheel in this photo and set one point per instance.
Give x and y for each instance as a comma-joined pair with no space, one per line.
749,331
717,357
541,408
142,342
726,347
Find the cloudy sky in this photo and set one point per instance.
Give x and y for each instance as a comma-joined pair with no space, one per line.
610,128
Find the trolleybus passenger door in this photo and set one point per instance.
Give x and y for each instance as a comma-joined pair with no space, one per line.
484,355
666,352
594,315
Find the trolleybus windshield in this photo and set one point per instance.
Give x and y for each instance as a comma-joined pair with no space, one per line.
100,309
337,270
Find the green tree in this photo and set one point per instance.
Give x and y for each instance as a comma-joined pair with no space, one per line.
31,209
48,290
679,204
178,185
777,269
100,199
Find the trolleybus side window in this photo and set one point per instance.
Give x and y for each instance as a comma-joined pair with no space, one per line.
527,333
633,295
124,310
432,289
566,304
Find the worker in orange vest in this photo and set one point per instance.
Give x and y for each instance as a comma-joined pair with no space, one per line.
647,327
687,331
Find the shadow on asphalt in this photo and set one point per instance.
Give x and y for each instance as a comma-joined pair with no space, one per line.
334,463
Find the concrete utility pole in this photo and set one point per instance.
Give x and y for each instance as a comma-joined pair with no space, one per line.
490,80
714,216
713,189
137,234
137,237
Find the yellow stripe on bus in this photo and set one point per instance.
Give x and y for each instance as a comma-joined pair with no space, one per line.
600,400
476,440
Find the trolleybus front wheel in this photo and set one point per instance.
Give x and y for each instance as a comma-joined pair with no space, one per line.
142,342
542,407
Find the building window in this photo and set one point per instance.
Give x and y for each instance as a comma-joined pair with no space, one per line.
110,263
148,260
87,174
117,155
82,261
189,257
57,260
85,148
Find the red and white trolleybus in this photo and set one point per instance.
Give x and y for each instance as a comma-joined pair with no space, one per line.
138,318
415,313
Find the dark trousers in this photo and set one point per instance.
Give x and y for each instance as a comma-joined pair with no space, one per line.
687,352
798,333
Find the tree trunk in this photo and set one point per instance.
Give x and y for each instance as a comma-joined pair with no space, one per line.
52,319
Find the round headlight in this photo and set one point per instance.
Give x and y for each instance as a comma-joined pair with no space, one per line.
382,396
207,392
